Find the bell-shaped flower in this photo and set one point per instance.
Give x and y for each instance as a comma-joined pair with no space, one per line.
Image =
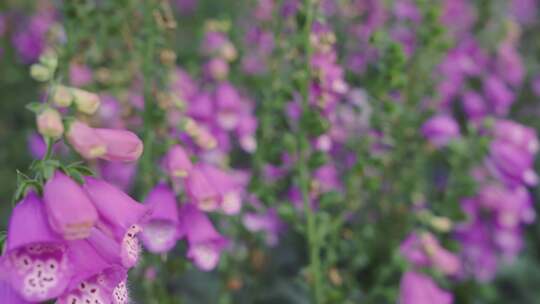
513,165
417,288
35,262
121,145
177,162
267,222
161,232
205,243
98,275
425,251
516,134
70,211
120,216
86,141
201,190
440,130
228,189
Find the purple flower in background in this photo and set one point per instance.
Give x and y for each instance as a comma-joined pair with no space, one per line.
509,64
267,222
474,105
417,288
425,251
35,261
440,130
205,243
525,11
498,94
514,165
177,162
80,75
186,6
201,190
161,230
120,174
70,211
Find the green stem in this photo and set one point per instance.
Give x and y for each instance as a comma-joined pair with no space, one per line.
146,165
303,153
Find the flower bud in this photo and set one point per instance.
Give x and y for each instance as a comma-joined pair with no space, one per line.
86,141
86,102
177,162
121,145
40,72
50,124
62,96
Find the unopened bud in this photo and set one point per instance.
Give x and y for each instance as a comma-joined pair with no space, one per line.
50,124
62,96
40,72
86,102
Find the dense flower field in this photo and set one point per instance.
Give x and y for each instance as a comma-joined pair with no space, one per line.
269,151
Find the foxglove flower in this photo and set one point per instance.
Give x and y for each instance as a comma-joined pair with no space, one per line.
49,123
516,134
85,101
121,145
35,262
120,216
177,162
86,141
161,231
513,164
205,243
268,222
8,295
417,288
440,130
99,279
70,211
228,189
201,190
425,251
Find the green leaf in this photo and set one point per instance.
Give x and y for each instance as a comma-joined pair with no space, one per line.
35,107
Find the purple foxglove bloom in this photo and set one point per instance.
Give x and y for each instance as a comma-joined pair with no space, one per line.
514,165
86,141
35,262
186,6
458,15
177,162
509,64
326,178
36,146
425,251
440,130
205,243
161,232
246,128
110,112
498,94
71,213
516,134
417,288
120,174
525,11
201,190
228,189
216,69
228,105
268,222
121,145
97,277
79,75
201,108
474,105
8,295
120,214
